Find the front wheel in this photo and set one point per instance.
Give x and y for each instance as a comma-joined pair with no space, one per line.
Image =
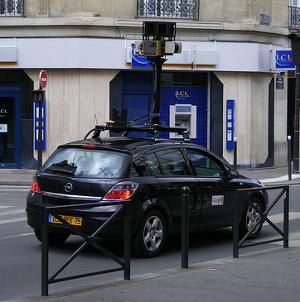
249,217
54,238
151,234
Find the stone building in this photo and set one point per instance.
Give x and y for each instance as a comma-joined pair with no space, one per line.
226,72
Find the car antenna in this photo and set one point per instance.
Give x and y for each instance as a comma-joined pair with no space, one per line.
96,120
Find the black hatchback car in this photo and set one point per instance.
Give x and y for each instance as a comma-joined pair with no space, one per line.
151,173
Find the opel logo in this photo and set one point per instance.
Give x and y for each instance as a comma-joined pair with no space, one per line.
68,187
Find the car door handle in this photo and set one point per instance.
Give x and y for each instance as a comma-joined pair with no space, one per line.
207,187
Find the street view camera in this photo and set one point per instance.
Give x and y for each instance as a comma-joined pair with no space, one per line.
158,40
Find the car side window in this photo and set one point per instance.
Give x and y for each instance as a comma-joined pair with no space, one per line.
153,164
172,162
205,165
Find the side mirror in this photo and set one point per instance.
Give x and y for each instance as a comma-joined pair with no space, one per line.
233,173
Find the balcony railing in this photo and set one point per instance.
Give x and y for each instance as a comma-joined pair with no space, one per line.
294,17
173,9
11,8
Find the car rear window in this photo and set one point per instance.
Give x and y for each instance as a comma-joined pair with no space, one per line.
89,163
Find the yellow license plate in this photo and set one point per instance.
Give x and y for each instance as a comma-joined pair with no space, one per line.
70,219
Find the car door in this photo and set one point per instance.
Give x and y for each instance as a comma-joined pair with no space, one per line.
216,189
171,170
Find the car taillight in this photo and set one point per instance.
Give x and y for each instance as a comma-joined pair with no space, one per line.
35,187
123,190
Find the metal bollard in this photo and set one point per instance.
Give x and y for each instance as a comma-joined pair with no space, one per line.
235,153
184,226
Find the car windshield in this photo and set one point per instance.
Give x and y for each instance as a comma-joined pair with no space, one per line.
86,162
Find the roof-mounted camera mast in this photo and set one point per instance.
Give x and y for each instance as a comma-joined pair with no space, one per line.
158,42
151,129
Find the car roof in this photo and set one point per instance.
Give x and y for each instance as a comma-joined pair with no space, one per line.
130,144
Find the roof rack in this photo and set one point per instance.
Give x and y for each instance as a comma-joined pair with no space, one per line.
151,129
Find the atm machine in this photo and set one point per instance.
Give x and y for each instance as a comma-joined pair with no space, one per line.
183,116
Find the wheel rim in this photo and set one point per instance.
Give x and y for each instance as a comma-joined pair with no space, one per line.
153,233
252,217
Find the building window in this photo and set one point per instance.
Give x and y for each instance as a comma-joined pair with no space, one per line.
180,9
294,17
11,8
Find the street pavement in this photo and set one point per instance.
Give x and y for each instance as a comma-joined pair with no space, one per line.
268,275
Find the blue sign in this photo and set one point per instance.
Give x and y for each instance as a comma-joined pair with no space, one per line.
36,126
138,60
283,59
230,125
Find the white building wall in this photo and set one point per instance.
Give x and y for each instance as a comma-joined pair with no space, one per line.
250,92
73,98
280,128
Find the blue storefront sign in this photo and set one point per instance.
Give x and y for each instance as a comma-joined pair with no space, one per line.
283,59
138,60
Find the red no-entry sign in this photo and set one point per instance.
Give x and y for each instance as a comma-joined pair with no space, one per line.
43,79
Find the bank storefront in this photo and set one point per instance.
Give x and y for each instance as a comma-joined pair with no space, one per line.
89,82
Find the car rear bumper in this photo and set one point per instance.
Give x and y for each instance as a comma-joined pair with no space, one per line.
92,218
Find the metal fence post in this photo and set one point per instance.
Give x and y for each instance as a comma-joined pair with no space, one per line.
236,226
289,157
286,218
45,255
184,226
127,235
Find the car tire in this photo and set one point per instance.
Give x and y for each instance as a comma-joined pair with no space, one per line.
150,237
249,218
54,238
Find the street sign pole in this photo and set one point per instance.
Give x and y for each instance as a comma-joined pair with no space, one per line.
40,99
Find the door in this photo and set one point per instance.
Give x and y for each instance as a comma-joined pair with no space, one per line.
217,191
10,121
172,172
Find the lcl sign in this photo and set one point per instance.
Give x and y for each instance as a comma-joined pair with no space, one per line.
3,112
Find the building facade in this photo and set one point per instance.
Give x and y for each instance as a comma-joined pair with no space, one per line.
224,83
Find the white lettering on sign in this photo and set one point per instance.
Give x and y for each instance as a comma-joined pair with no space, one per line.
217,200
3,112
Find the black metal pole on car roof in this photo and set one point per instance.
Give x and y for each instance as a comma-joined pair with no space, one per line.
156,63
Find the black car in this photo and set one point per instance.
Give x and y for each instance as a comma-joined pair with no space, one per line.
151,173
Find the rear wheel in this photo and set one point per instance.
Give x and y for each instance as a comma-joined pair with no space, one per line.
54,238
151,235
249,218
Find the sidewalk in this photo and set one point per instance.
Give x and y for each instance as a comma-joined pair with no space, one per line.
16,177
270,275
264,276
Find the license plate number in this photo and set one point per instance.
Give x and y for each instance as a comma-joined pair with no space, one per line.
70,219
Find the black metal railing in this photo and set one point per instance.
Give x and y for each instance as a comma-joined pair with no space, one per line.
294,17
56,211
11,8
284,234
174,9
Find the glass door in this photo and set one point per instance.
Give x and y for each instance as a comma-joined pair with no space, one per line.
7,130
